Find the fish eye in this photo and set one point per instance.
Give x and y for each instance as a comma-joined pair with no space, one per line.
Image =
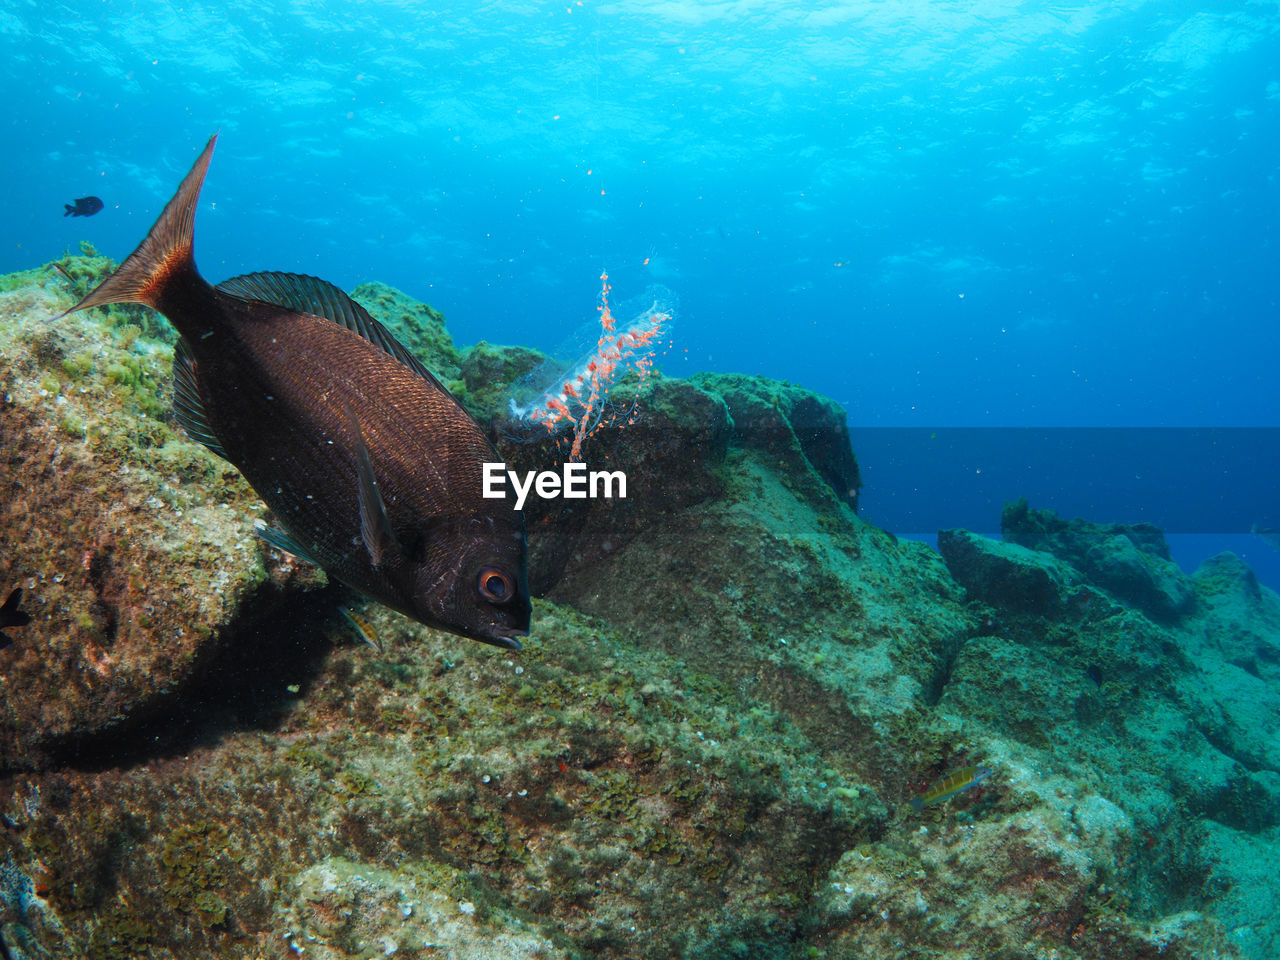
495,585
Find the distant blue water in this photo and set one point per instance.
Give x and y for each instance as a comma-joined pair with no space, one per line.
939,214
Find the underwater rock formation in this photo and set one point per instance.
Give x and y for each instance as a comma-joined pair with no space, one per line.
793,425
1007,575
134,546
1180,719
1130,561
732,688
673,458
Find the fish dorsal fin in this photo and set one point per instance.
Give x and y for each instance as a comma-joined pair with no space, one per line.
165,251
297,291
188,409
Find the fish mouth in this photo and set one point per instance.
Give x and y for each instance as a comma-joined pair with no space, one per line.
505,640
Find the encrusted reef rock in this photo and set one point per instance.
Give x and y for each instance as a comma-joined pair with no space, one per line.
134,546
415,324
488,371
674,453
1130,561
801,430
706,748
1045,565
1008,575
673,457
1174,705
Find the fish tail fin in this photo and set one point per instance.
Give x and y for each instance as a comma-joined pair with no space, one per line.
70,209
164,255
916,804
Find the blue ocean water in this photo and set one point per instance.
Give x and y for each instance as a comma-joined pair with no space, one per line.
990,214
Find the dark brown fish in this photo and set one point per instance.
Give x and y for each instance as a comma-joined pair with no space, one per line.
371,467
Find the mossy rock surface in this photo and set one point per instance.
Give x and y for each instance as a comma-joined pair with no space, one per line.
415,324
133,545
706,748
796,427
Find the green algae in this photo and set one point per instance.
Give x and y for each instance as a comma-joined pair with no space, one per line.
417,325
198,860
311,758
121,935
489,372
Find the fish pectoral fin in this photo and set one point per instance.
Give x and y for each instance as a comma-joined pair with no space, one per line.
375,528
188,409
283,541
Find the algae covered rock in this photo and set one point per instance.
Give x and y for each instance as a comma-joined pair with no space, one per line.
674,448
415,324
341,908
672,455
488,374
1151,583
1007,575
134,546
799,428
706,748
1046,882
1243,618
1130,561
1173,702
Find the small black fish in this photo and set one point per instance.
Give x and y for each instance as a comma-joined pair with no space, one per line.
84,207
373,470
11,616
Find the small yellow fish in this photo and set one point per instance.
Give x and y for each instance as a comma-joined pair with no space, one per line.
364,629
949,786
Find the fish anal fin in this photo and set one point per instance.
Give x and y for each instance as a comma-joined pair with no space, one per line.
283,541
166,251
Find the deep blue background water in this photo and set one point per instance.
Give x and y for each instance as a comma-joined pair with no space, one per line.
939,214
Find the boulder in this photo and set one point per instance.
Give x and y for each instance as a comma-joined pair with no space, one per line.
1129,561
1007,575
